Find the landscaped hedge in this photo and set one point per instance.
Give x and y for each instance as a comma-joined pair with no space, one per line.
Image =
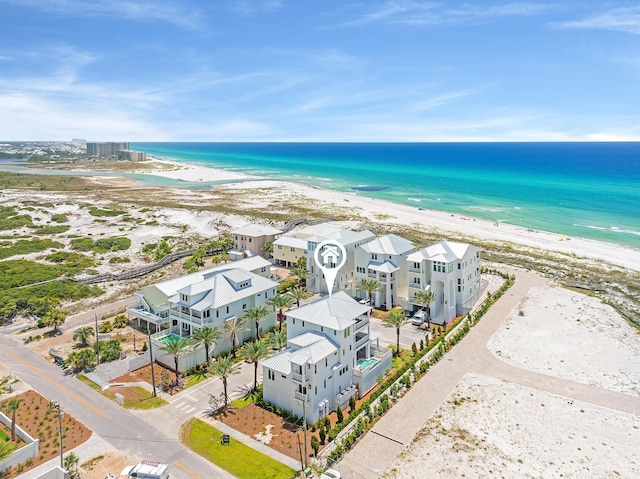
402,374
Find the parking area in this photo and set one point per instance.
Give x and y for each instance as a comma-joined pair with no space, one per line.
409,334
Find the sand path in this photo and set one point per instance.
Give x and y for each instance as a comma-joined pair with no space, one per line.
374,454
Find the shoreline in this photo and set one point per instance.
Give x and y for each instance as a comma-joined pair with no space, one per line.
384,211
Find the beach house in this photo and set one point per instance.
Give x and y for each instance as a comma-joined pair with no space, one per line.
249,241
346,276
331,355
383,259
452,271
288,249
179,306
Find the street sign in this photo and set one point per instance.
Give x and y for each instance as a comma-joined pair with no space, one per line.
225,439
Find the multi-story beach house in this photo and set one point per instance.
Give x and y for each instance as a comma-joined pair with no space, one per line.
288,249
331,355
249,241
383,259
452,271
345,280
210,297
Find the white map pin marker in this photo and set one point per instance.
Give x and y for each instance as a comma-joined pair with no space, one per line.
327,253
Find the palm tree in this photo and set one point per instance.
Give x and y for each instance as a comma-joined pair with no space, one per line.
176,347
256,315
278,339
369,285
54,317
6,448
396,319
234,326
83,334
206,336
12,407
82,359
301,272
71,462
223,368
254,352
280,302
298,294
425,298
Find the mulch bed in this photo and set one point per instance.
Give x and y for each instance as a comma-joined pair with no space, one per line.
35,417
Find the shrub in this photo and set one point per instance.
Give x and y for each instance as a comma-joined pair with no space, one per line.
339,414
106,327
120,321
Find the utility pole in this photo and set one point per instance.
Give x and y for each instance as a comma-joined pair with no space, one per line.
95,316
56,407
153,377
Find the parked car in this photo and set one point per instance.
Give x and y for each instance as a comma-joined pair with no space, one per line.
146,470
419,318
330,474
408,314
364,301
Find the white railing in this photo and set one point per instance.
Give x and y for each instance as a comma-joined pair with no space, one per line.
300,396
361,323
415,270
362,341
299,378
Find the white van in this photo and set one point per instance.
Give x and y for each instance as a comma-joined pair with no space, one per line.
147,470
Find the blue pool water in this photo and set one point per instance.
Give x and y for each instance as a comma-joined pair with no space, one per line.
367,363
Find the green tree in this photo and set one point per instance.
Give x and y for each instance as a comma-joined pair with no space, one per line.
278,339
323,433
12,407
234,326
223,368
340,414
298,294
256,314
280,302
71,462
54,318
206,336
120,321
315,445
6,449
176,347
352,404
425,298
268,247
370,286
301,272
82,359
395,319
252,353
83,334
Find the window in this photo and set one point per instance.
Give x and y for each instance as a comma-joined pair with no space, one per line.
263,269
271,375
374,256
184,297
227,309
206,313
249,240
279,246
459,265
292,249
416,280
217,313
347,332
244,306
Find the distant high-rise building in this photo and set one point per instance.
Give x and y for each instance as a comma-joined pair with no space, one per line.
132,155
79,142
105,148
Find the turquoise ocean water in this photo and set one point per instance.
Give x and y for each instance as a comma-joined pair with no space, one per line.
591,190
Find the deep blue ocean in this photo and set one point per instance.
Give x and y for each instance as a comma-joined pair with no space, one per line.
591,190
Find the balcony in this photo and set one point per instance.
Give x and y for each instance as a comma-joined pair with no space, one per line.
300,396
415,286
141,312
361,322
415,270
361,340
372,275
299,378
342,398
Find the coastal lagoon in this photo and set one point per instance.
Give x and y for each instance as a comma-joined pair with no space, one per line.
590,190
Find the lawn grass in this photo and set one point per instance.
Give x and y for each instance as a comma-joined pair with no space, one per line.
243,401
135,397
195,378
236,458
89,382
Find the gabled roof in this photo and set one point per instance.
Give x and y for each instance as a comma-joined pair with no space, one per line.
291,242
318,348
280,362
444,251
172,286
343,236
336,312
385,267
388,244
220,290
304,340
314,353
256,230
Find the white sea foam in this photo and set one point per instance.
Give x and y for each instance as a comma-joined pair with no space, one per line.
414,199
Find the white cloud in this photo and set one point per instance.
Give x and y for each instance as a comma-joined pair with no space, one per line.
618,19
250,7
409,12
177,13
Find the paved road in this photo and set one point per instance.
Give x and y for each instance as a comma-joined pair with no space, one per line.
119,427
373,455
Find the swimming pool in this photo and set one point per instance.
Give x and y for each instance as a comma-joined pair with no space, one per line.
367,363
166,338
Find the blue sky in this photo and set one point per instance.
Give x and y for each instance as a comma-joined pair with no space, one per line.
283,70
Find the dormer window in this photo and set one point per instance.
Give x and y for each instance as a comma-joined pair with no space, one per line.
184,298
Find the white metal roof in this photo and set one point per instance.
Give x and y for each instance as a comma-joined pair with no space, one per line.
388,244
336,312
291,242
304,340
386,267
221,291
444,251
279,362
314,353
343,236
172,286
256,230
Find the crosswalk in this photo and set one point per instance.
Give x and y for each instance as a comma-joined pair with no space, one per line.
185,405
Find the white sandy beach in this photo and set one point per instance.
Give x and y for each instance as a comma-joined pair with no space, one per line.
384,211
